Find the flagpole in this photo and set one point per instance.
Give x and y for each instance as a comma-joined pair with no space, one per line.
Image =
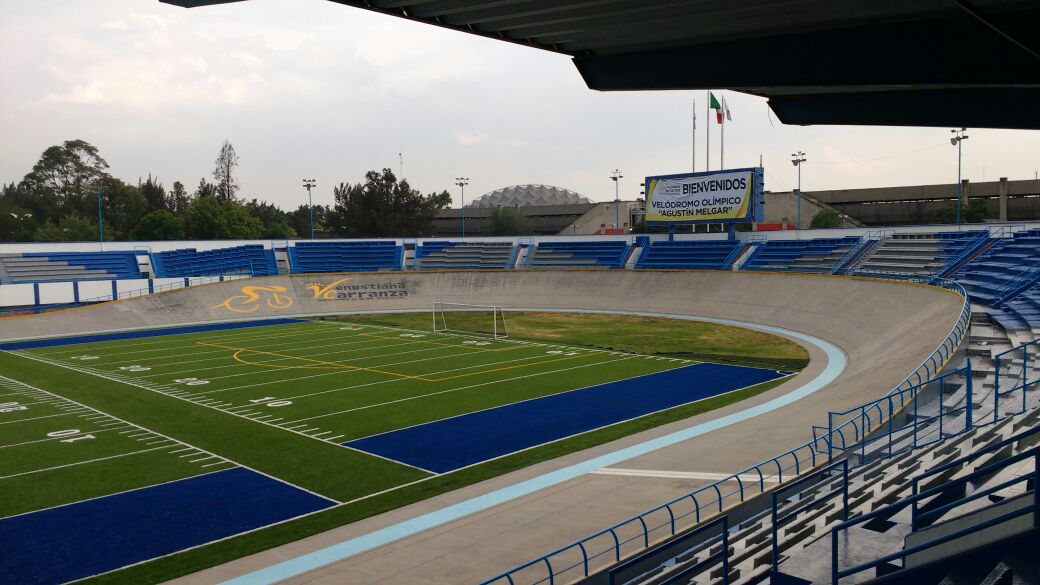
693,140
722,137
707,132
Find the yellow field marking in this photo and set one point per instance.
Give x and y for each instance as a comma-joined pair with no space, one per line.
320,364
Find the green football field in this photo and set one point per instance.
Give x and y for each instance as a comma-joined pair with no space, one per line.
316,407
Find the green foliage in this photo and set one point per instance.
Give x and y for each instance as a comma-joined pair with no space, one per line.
275,222
382,206
508,221
71,228
158,225
211,219
154,193
826,218
224,173
974,211
300,220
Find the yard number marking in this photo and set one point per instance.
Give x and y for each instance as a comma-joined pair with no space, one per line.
134,368
72,434
190,381
84,357
12,407
271,401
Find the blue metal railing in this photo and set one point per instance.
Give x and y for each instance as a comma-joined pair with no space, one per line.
969,249
721,555
1017,285
1019,382
918,516
711,500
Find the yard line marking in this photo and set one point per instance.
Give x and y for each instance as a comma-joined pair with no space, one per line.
334,365
137,385
41,360
79,463
211,465
366,407
201,459
182,450
50,439
34,418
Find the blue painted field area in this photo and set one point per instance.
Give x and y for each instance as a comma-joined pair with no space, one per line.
449,444
95,536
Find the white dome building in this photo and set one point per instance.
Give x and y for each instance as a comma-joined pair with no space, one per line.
528,196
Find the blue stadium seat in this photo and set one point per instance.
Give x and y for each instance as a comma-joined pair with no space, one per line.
252,259
816,255
438,255
68,266
567,254
717,255
373,256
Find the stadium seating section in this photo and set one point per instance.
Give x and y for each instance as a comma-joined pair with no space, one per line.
252,259
604,254
464,255
921,253
718,255
69,266
309,257
816,255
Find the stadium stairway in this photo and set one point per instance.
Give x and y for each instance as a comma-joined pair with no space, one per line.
817,255
464,255
992,276
921,254
68,266
374,256
566,254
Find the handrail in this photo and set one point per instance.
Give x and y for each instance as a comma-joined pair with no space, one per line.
852,253
711,499
912,500
1012,288
971,246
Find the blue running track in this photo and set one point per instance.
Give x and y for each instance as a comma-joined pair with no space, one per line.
449,444
79,540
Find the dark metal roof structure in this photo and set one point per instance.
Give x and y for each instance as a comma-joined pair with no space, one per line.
972,63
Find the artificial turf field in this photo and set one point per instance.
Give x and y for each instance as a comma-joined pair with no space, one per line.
118,452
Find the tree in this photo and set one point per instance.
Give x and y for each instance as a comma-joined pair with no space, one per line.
153,192
122,207
300,219
158,225
224,173
210,219
16,223
64,180
274,221
178,199
204,190
974,212
71,228
382,207
826,218
508,221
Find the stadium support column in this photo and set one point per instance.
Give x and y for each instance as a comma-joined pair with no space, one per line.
1003,198
958,137
671,232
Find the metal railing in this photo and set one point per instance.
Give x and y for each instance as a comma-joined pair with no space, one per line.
918,516
608,546
970,247
1015,375
1017,285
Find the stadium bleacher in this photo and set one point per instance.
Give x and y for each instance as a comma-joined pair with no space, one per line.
816,255
714,255
360,256
601,254
922,253
251,259
1008,268
67,266
464,255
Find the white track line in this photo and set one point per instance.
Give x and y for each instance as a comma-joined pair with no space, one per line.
699,475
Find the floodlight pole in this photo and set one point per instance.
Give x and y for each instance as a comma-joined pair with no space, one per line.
797,159
614,176
958,137
100,220
307,184
462,182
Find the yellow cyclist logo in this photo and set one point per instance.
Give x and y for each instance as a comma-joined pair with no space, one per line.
249,300
323,292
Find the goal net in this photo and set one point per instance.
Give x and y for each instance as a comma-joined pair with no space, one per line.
487,320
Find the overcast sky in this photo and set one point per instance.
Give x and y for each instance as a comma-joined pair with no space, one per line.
306,88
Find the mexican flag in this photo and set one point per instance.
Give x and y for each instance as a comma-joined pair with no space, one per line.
715,105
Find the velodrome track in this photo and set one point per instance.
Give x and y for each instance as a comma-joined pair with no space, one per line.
885,329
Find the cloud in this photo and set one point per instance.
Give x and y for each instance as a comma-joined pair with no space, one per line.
468,138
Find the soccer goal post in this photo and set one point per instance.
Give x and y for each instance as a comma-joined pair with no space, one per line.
487,320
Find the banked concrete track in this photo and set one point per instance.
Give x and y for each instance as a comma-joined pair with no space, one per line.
885,329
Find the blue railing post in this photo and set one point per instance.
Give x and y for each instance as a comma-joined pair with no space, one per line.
968,421
996,392
775,555
1025,375
915,420
834,556
725,550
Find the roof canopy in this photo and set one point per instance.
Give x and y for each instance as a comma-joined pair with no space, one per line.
875,62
